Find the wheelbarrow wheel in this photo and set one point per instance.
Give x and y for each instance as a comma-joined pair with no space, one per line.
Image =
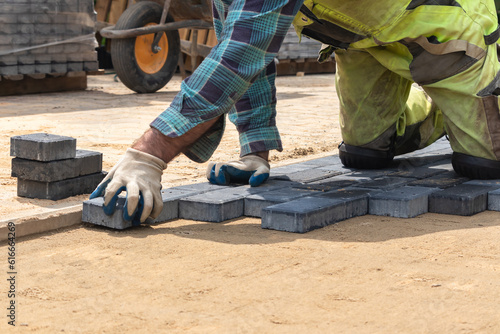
139,67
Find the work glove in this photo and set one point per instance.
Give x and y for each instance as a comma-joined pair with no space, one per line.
139,174
250,169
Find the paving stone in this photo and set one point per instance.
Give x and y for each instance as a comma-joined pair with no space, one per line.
385,183
446,165
42,147
404,202
308,175
325,161
303,214
84,163
93,213
418,172
93,210
255,203
422,160
203,187
442,181
356,200
463,200
220,205
59,189
214,206
491,183
170,198
494,200
283,170
327,184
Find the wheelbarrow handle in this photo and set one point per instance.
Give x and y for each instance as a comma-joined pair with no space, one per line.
110,32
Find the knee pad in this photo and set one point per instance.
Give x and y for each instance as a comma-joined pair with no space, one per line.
364,158
474,167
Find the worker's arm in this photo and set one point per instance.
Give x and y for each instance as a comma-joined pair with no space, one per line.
139,173
250,34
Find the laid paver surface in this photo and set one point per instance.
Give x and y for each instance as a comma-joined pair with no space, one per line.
309,195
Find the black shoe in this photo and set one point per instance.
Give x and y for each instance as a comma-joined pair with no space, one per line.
364,158
474,167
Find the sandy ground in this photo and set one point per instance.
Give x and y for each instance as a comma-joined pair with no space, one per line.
430,274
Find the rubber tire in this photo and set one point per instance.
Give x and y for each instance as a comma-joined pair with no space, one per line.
123,50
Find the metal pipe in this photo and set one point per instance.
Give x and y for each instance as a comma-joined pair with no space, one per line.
164,13
109,32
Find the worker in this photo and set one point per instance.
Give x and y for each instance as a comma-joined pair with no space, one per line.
237,78
445,46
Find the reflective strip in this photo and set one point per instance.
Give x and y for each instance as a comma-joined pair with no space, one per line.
457,45
416,3
491,111
493,37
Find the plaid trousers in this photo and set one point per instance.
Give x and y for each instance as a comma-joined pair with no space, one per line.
237,78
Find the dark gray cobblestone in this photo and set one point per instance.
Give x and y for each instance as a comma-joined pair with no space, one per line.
320,192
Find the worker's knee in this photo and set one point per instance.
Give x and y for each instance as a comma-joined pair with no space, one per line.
364,158
475,167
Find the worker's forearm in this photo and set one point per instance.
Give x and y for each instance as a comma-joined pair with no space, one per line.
167,148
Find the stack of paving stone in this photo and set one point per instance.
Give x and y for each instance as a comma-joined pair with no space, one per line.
293,48
47,36
316,193
50,167
301,55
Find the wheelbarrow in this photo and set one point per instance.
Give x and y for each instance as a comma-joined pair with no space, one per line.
146,47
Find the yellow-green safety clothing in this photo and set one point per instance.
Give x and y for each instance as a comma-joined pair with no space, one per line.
448,47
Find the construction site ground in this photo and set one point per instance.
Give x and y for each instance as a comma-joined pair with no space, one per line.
430,274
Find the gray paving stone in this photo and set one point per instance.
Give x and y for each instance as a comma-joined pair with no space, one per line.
93,212
202,188
215,206
170,198
442,181
223,204
308,175
303,214
417,172
356,200
327,184
284,170
59,189
490,183
446,165
404,202
42,147
462,200
422,160
85,162
255,203
494,200
385,183
325,161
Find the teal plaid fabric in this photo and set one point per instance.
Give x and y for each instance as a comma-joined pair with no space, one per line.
237,78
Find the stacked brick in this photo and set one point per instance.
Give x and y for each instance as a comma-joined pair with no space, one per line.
47,37
293,49
50,167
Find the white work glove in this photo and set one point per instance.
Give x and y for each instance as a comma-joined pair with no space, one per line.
250,169
139,174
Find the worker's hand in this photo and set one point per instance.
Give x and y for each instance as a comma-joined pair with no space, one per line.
139,174
250,169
